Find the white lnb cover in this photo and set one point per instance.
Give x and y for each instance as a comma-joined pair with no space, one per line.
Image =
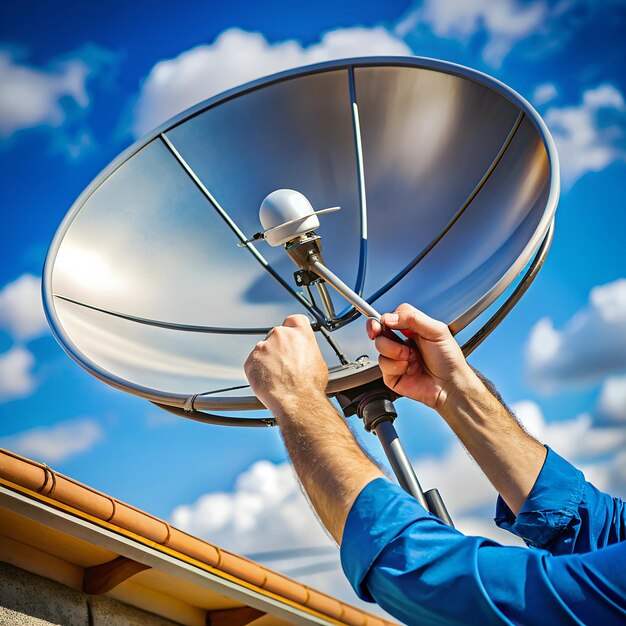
285,214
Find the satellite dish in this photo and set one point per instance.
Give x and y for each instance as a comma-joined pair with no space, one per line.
447,181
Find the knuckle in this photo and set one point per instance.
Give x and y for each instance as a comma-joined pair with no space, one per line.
406,310
297,319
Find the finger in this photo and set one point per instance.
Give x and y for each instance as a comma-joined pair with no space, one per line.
373,328
409,318
392,349
391,367
297,321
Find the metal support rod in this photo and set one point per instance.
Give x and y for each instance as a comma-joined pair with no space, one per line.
317,267
334,281
437,507
327,303
402,468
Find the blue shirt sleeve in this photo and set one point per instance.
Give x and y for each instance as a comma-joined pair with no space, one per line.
564,514
423,572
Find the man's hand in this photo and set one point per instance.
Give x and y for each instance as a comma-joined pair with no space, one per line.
435,372
287,373
430,368
287,366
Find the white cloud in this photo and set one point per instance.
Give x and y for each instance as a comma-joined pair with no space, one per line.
34,97
459,479
607,474
591,135
577,439
505,22
237,57
265,511
16,377
544,93
612,401
592,344
21,310
55,97
611,475
597,450
54,444
534,28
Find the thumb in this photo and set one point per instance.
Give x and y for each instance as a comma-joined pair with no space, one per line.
411,319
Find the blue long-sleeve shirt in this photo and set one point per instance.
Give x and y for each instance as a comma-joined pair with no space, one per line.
423,572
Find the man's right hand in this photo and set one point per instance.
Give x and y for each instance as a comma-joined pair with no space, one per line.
428,369
436,373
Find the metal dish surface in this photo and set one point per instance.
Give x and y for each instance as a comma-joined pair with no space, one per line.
447,181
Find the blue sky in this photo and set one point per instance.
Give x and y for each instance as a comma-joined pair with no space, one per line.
81,81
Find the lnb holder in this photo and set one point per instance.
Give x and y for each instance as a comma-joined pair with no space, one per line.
304,278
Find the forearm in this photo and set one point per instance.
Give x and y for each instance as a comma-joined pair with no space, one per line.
328,461
510,458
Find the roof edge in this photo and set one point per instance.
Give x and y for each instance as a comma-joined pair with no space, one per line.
39,482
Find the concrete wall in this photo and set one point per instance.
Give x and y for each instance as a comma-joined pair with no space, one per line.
30,600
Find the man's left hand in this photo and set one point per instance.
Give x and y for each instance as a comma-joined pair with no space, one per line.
287,366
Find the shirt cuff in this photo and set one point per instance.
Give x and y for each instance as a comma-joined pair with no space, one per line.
381,512
550,506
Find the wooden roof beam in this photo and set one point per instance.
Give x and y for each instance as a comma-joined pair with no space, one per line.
104,577
233,617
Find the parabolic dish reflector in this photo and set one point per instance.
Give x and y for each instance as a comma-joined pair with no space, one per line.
447,182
